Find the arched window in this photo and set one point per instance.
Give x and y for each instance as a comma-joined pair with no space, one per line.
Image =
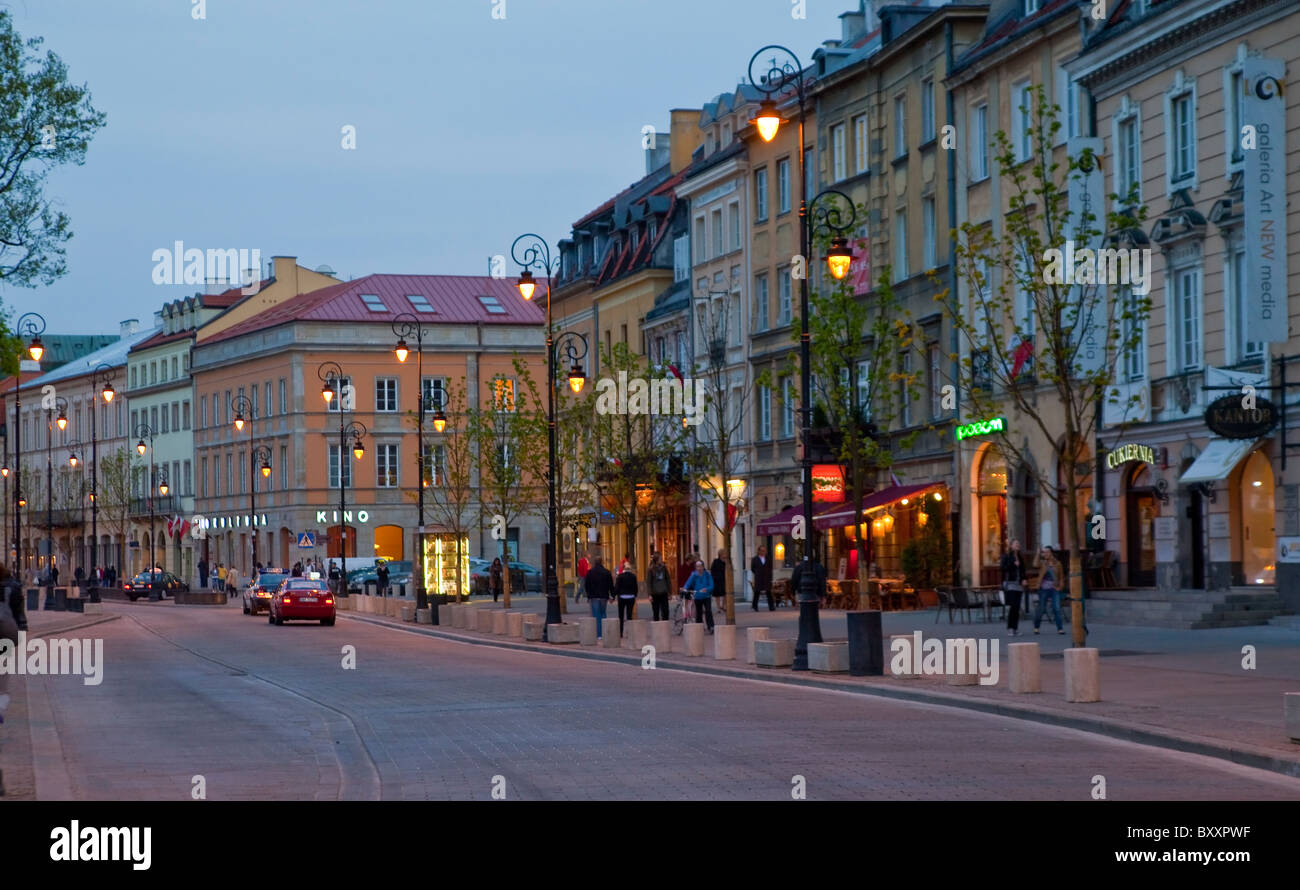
992,495
1258,543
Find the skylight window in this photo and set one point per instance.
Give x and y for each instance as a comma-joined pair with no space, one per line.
492,305
373,303
419,303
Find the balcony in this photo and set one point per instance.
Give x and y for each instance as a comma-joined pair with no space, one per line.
162,505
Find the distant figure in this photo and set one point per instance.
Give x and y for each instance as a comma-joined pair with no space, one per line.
625,590
1013,586
221,576
600,584
719,572
80,576
661,585
584,566
334,577
203,572
762,570
381,575
495,575
699,586
1049,588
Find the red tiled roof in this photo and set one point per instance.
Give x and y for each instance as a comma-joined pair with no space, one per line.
160,338
454,298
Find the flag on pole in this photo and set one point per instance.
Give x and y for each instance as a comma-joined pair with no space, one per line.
1024,352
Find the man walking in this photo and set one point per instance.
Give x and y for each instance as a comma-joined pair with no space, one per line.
719,572
762,570
661,585
203,572
584,566
600,584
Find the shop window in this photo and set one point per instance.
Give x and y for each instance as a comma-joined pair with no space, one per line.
333,533
992,494
1258,543
389,542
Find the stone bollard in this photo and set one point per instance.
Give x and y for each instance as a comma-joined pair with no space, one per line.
561,634
971,676
661,636
610,638
393,605
499,623
753,635
446,614
94,608
424,616
905,663
514,624
638,634
484,623
408,612
461,617
829,658
1024,663
587,630
1083,675
1291,713
693,639
533,628
774,653
724,642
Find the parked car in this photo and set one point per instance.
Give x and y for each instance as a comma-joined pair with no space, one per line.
257,596
302,599
525,577
145,583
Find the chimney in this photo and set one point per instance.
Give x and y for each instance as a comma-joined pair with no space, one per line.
130,326
285,272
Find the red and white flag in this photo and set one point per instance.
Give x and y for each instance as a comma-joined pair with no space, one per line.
171,525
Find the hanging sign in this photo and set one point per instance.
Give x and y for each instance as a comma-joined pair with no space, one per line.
1228,418
827,482
981,428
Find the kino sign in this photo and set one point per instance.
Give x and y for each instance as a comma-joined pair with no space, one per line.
1125,453
981,428
362,516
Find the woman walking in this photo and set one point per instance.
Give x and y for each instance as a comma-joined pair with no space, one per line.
700,586
495,574
1049,588
661,585
1013,585
625,590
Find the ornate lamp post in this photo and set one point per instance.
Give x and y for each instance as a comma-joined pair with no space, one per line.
75,450
334,388
259,460
531,250
101,384
784,72
29,326
143,431
61,406
407,325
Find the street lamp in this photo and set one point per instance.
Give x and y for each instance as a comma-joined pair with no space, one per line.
103,374
332,385
531,250
59,404
144,431
785,72
243,406
29,325
75,451
407,325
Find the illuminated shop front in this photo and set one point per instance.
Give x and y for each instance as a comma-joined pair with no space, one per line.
442,553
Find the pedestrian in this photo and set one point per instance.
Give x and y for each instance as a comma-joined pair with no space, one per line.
203,572
625,589
661,586
221,576
214,579
719,572
232,581
1013,586
699,586
13,618
762,570
296,571
584,566
334,578
112,576
626,564
687,567
80,576
381,578
600,584
496,581
819,572
53,575
1049,588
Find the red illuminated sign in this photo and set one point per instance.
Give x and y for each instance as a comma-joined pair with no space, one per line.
827,482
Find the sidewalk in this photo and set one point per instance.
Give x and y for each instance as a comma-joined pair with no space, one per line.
1180,689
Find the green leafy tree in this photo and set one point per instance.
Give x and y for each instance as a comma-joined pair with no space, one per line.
450,498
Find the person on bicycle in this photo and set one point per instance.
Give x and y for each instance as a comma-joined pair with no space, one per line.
700,587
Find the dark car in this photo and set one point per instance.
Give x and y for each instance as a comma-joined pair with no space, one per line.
524,577
145,583
257,596
305,599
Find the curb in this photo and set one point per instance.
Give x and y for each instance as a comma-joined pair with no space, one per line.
1168,739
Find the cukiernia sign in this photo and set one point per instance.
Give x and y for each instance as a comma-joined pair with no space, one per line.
981,428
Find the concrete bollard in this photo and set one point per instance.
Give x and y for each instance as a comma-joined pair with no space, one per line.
484,623
1291,711
1024,661
774,653
610,638
424,616
972,675
1083,675
408,612
514,624
94,608
829,658
753,635
394,607
724,642
561,634
499,623
446,614
533,629
636,634
587,630
693,639
661,636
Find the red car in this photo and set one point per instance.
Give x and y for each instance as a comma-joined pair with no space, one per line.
302,599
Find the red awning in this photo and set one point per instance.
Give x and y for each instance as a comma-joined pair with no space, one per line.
780,524
842,514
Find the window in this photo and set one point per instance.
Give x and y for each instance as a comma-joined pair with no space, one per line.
189,479
1068,97
760,196
1022,116
1031,7
203,412
135,424
787,406
927,109
979,145
420,303
385,466
1234,273
1232,91
716,219
864,388
435,464
1187,320
1180,133
733,219
935,381
340,459
931,233
203,477
900,126
503,395
185,414
1128,170
785,312
153,420
162,371
764,413
900,245
176,415
243,474
267,401
810,177
1133,335
726,135
385,393
133,376
174,364
905,388
373,303
492,304
230,488
342,393
284,468
860,144
701,244
225,409
153,373
783,186
252,402
761,298
435,393
282,410
681,258
839,155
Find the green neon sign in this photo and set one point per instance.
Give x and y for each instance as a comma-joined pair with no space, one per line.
981,428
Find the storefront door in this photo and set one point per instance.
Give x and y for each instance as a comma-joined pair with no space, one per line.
1141,539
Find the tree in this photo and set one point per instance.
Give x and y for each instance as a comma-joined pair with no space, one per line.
450,497
45,122
1028,337
114,495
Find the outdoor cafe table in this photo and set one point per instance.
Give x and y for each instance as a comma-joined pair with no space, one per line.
988,597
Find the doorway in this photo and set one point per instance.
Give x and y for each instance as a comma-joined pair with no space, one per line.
1196,519
1141,526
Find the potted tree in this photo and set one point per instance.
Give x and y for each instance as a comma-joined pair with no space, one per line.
927,558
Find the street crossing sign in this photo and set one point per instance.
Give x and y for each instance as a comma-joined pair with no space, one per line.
306,541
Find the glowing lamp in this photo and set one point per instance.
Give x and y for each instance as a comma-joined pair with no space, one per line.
526,284
139,447
358,450
402,351
62,420
327,392
239,421
109,392
36,349
839,257
768,120
266,470
439,420
576,378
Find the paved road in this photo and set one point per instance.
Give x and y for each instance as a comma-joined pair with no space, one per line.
265,712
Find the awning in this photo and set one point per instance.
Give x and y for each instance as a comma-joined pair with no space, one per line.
780,524
1217,460
843,514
